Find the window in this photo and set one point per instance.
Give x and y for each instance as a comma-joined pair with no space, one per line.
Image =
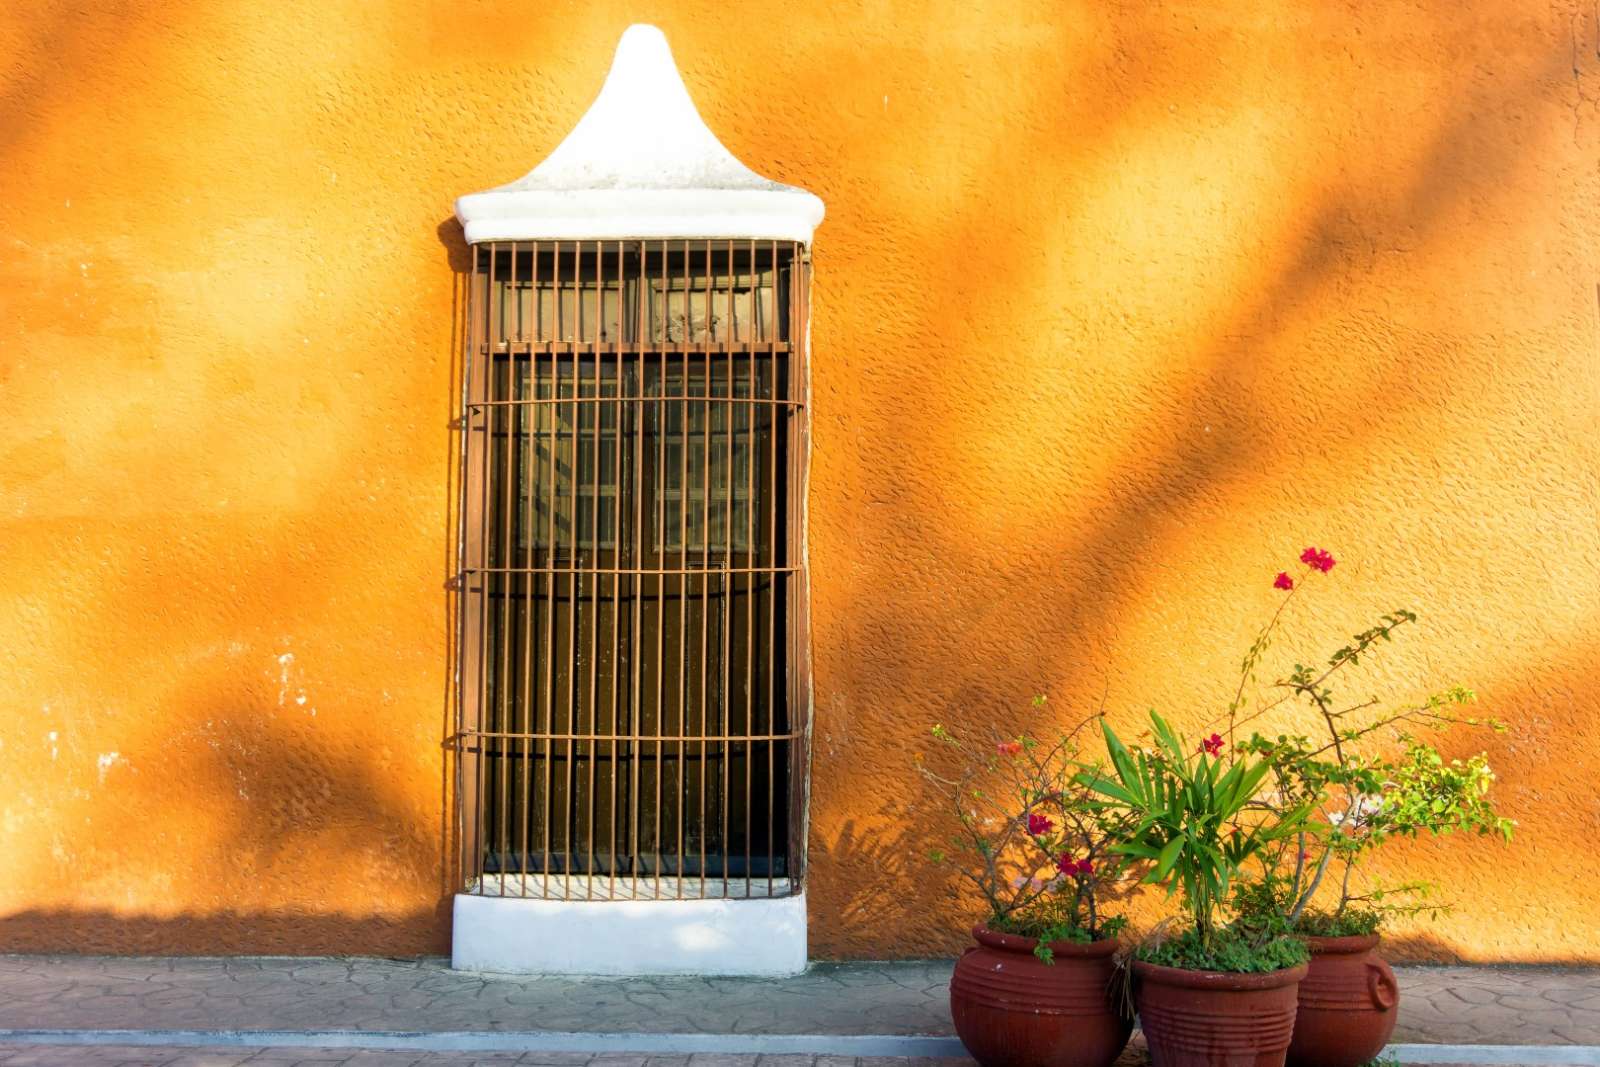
630,718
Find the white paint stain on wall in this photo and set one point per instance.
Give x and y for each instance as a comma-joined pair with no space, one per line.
285,663
106,761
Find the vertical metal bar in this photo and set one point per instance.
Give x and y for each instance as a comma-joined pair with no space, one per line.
474,468
796,625
707,413
575,412
616,576
484,574
752,578
725,718
683,567
462,581
597,408
636,706
772,633
535,580
559,299
659,412
504,697
551,415
524,418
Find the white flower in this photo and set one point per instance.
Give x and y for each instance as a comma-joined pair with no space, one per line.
1360,812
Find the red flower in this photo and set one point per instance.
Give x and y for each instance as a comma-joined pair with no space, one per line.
1039,825
1009,748
1283,581
1067,865
1212,745
1317,559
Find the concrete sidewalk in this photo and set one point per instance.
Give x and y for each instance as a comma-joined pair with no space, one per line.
845,1011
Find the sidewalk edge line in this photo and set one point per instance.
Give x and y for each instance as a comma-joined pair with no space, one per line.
1530,1055
510,1041
927,1045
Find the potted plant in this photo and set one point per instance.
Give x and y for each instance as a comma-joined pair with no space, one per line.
1370,779
1039,987
1208,993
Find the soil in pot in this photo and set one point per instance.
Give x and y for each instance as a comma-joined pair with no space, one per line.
1348,1004
1012,1009
1214,1018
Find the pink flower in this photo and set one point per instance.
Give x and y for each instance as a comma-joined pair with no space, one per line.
1212,745
1039,825
1283,581
1317,559
1085,867
1009,748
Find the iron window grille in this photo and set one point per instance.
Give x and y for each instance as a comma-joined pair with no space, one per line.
630,699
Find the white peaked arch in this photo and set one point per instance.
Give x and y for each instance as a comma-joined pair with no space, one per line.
641,163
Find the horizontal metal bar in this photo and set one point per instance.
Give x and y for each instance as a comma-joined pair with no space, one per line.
534,401
498,735
709,571
634,348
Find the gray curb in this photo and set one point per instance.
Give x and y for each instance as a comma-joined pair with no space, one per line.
680,1044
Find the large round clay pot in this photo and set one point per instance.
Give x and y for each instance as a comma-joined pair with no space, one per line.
1348,1004
1012,1009
1216,1019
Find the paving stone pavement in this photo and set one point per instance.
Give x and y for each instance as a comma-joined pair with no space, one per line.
173,1056
1449,1005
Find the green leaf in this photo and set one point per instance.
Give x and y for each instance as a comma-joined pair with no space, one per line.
1106,787
1121,760
1137,848
1169,856
1166,736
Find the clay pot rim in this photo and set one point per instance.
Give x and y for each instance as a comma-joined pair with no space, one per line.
1229,980
1339,946
1016,943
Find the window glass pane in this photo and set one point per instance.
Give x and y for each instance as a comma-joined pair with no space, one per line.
570,469
705,448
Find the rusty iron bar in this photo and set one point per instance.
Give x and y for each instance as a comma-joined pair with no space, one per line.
620,400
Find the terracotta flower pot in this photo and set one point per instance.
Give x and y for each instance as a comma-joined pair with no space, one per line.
1216,1019
1013,1010
1348,1004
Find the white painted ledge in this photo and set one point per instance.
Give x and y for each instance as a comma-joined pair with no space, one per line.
763,936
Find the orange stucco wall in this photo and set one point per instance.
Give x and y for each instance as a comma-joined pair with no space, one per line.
1117,306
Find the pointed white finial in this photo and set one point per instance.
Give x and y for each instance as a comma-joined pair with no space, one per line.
641,163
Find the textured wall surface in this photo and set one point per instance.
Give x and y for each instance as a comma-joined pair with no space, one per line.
1117,306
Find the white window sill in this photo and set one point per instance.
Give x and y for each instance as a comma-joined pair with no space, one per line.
758,935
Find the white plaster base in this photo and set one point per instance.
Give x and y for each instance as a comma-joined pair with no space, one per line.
757,936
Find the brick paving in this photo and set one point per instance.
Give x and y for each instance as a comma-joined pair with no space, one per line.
1439,1005
374,994
173,1056
202,1056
